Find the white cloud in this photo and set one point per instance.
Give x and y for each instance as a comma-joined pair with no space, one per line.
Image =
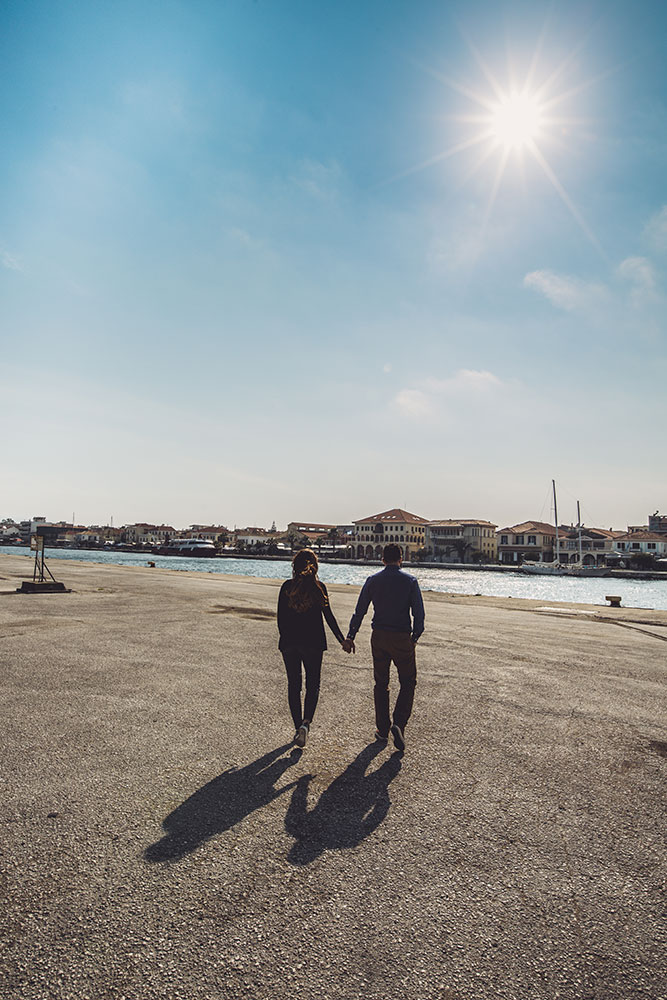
456,252
639,272
318,180
633,285
10,261
246,240
466,387
461,240
466,381
565,291
414,403
656,230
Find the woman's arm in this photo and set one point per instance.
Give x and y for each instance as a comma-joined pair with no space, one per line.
282,606
332,623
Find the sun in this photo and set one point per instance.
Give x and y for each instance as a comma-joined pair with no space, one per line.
517,121
515,125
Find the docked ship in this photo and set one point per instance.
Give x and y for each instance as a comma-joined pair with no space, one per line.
195,548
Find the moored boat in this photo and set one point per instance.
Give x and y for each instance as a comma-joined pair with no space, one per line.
553,568
195,548
587,570
543,568
556,567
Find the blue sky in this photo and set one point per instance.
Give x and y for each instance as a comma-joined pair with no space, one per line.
241,282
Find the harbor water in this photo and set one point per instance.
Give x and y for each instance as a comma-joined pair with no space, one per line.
650,594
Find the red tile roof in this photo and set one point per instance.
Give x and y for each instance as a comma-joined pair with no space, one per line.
526,526
573,532
462,520
641,536
395,516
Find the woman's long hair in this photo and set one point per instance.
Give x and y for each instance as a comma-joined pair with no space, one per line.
306,590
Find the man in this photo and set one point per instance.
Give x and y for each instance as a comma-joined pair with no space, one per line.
395,596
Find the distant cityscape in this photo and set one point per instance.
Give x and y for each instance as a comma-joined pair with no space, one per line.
451,540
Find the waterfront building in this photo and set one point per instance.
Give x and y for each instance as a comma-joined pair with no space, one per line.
207,532
649,542
596,545
308,528
372,533
318,534
657,523
112,534
314,531
9,531
249,537
148,534
461,540
89,536
532,540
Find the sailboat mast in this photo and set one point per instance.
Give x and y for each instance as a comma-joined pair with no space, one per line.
579,530
553,483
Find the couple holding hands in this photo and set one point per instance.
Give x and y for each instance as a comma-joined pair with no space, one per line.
398,622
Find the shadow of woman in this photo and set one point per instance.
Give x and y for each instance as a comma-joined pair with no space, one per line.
221,804
353,805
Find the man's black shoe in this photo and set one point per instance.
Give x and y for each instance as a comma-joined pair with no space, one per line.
399,739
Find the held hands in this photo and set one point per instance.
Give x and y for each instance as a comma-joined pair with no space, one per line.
348,645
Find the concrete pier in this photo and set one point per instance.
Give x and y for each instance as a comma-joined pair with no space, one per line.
161,838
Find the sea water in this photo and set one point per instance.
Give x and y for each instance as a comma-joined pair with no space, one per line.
584,590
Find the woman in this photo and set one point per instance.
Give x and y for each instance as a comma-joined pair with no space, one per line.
302,602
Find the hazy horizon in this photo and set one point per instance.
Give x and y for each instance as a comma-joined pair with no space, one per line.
545,515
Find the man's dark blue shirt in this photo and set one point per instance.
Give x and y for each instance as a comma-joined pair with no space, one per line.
394,594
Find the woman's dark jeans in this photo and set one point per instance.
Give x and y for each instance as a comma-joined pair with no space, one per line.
311,659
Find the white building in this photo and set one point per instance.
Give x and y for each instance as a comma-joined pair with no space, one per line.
648,542
249,537
457,540
149,534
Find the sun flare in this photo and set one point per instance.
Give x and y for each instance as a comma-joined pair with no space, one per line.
514,126
516,120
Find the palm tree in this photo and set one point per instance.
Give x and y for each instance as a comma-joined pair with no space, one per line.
332,535
461,547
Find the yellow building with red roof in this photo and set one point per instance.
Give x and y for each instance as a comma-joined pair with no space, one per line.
406,530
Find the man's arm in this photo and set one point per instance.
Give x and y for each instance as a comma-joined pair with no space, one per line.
360,610
417,607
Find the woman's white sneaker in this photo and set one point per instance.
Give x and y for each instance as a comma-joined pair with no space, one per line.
301,735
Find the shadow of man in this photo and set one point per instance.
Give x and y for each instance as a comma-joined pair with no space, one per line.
353,805
221,804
